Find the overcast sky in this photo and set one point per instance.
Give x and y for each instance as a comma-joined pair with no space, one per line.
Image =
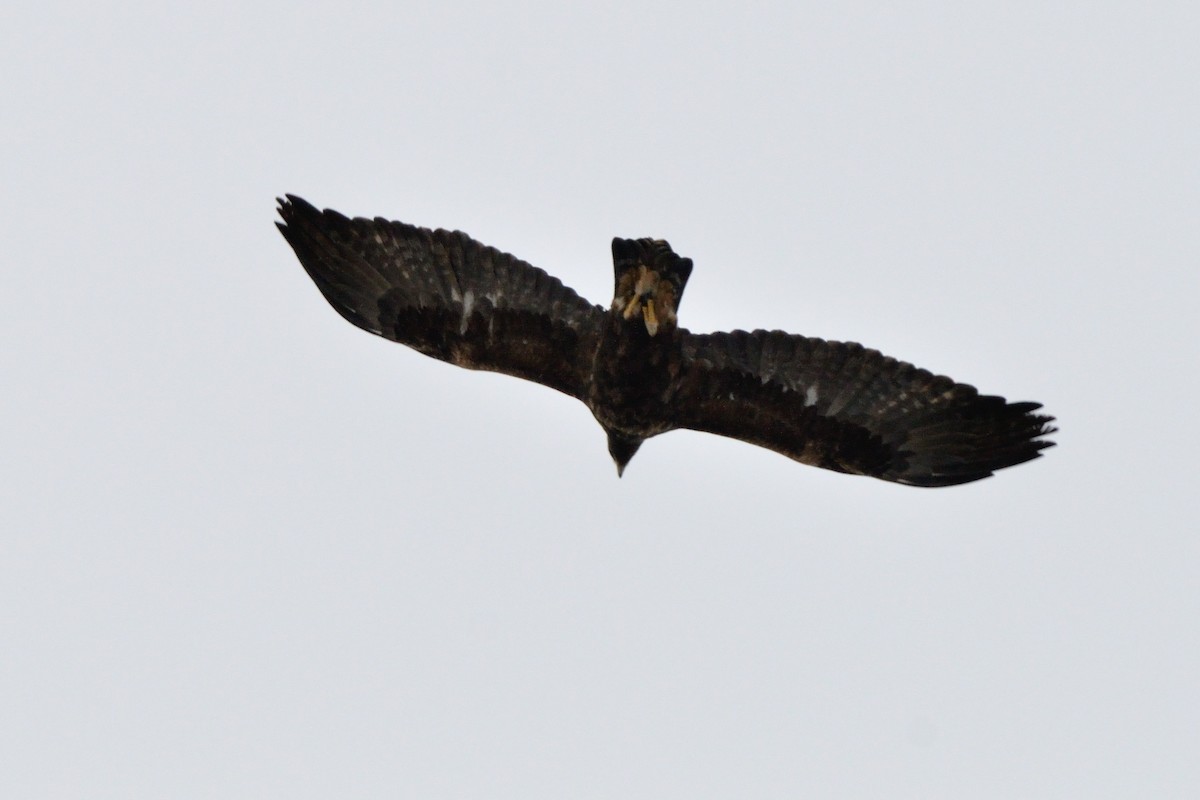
248,550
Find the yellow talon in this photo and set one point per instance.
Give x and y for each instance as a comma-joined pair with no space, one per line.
648,316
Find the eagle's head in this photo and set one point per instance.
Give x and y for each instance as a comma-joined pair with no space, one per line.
650,279
622,447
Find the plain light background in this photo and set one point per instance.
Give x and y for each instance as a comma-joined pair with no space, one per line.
251,551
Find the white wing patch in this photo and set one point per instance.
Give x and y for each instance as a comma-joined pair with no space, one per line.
810,396
468,303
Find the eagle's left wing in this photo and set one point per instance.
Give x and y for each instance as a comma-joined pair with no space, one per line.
446,295
844,407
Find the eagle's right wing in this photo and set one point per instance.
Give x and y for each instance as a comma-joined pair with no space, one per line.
841,406
446,295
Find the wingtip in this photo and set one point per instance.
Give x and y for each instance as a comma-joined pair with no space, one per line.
283,207
292,201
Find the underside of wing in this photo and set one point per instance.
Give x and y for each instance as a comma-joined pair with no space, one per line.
844,407
446,295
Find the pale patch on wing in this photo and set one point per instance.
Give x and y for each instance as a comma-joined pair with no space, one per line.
468,303
810,396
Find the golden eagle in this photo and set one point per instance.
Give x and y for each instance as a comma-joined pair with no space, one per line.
836,405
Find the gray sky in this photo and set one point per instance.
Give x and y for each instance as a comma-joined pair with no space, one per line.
251,551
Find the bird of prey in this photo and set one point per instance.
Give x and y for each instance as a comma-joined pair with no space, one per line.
836,405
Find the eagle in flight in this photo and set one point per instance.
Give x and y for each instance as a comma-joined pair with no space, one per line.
836,405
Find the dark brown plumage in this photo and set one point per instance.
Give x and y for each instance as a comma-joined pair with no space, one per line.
835,405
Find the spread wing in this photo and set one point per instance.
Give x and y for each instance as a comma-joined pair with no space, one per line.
844,407
446,295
